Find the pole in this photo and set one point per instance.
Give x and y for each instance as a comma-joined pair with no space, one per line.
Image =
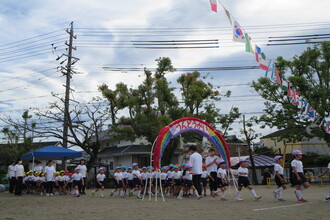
67,93
284,154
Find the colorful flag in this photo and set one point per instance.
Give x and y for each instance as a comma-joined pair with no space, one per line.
269,69
238,34
214,6
278,77
248,47
284,85
228,14
261,59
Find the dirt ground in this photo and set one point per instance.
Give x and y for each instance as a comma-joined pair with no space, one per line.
85,207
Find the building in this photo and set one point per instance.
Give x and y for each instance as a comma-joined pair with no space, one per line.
316,146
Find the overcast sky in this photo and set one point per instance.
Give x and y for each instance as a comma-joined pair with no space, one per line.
29,82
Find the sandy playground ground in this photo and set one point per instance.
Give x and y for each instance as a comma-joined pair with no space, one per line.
85,207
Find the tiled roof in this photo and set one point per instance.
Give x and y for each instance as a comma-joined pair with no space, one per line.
259,161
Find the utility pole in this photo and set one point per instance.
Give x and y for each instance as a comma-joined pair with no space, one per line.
67,71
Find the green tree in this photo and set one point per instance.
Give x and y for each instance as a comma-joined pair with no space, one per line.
309,74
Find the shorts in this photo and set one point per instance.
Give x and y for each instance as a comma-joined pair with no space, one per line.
169,182
243,181
177,182
130,184
69,185
136,182
278,181
61,183
164,183
76,183
294,180
188,183
222,183
120,184
204,182
98,186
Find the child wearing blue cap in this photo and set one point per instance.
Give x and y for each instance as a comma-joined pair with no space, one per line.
176,179
170,180
243,180
298,178
124,174
279,178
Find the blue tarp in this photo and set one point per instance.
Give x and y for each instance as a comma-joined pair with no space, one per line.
51,152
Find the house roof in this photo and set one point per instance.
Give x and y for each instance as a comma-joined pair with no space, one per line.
35,144
281,132
259,161
233,139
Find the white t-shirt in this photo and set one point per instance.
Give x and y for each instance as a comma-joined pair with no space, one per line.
205,174
77,176
136,174
60,178
163,176
177,175
130,176
243,170
118,176
188,175
19,170
213,167
66,178
124,174
278,168
50,171
196,161
101,177
37,169
298,165
144,176
169,174
83,169
221,173
11,171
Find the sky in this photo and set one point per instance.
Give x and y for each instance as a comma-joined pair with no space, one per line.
31,29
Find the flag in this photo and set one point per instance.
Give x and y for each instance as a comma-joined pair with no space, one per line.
269,69
228,14
261,59
248,47
302,103
214,6
238,34
310,111
278,77
284,85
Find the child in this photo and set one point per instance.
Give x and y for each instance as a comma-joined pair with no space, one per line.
188,183
163,177
99,183
169,180
144,177
322,174
222,179
124,174
120,184
129,183
204,176
60,182
78,181
137,179
279,178
243,180
176,179
297,175
67,182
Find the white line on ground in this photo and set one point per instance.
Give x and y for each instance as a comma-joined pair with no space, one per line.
283,206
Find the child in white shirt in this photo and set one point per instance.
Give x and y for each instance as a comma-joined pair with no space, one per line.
99,184
222,179
327,198
297,176
243,180
119,182
78,181
279,178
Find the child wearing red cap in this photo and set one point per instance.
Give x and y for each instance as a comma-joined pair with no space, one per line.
279,178
222,179
243,180
297,176
99,183
205,175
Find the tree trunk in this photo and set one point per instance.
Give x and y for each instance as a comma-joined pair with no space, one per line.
254,172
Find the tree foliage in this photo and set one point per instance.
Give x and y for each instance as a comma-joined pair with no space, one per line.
310,75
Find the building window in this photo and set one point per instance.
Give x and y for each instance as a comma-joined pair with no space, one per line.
111,165
143,160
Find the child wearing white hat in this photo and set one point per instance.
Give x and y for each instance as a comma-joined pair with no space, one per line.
243,180
297,176
279,178
99,183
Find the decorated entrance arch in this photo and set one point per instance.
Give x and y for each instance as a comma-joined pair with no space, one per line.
183,125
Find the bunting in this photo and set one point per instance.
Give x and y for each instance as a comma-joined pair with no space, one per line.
240,35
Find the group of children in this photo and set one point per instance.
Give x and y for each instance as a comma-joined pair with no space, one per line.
173,180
